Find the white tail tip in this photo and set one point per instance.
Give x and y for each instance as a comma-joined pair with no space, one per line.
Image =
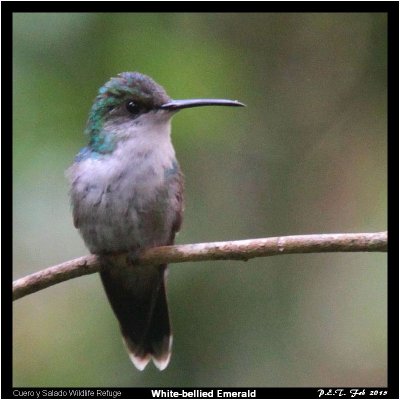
141,362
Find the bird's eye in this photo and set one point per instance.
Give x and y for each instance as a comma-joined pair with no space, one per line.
132,107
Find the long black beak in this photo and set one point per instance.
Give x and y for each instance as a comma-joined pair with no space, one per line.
175,105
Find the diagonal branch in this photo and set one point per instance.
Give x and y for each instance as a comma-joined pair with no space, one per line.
232,250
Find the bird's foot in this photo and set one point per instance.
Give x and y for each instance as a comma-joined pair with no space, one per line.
133,256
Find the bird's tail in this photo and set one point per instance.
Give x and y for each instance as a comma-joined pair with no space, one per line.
138,299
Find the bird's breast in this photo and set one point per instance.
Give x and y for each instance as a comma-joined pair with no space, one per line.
122,200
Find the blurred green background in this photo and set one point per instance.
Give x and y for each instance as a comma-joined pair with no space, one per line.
307,155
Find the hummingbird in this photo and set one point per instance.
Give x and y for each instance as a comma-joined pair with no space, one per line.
126,190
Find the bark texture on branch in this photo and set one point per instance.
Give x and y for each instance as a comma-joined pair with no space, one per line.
231,250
